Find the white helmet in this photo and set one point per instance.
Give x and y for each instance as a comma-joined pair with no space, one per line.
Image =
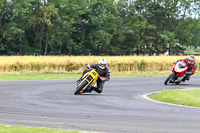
191,59
102,63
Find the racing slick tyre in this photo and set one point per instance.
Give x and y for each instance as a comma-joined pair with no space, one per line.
80,87
169,78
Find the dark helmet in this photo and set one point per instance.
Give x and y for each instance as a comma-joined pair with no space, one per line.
191,59
102,63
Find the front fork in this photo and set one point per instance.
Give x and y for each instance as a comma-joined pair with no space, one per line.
178,79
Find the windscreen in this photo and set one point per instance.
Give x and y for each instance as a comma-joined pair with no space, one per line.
182,64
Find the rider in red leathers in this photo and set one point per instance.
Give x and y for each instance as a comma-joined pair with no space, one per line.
191,66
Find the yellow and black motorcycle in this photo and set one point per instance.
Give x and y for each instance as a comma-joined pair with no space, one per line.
87,81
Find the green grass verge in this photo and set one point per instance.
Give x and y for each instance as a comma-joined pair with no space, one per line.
139,74
20,129
189,97
34,76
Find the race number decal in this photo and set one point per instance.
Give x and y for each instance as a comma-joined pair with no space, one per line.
94,73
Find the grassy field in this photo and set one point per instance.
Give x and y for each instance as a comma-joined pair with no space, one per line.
20,129
39,76
189,97
76,64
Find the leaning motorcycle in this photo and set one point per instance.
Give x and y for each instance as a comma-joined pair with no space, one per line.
178,73
87,81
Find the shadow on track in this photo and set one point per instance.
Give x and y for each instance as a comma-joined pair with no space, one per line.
191,85
89,94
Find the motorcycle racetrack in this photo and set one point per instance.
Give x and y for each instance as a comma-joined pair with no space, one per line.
120,108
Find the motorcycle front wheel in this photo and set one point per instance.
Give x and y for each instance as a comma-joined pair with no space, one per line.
80,87
169,78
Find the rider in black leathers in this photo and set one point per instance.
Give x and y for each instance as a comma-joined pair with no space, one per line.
102,70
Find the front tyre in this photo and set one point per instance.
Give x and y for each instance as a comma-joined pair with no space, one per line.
80,87
169,78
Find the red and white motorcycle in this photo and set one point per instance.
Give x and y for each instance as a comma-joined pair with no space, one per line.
178,73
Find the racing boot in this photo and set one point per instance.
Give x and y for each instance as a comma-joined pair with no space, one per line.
183,80
187,77
91,89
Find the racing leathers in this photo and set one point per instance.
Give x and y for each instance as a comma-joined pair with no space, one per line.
102,73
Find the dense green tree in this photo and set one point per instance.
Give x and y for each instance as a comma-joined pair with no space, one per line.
130,29
98,27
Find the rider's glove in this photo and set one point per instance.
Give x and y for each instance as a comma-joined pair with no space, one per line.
104,78
88,66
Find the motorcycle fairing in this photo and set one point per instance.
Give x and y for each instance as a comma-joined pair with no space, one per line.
91,76
180,67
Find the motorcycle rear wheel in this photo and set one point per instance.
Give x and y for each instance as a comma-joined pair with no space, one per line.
172,75
80,87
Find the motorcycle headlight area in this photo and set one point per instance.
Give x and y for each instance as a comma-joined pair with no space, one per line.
89,78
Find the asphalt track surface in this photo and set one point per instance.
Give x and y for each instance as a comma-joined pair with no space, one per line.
121,107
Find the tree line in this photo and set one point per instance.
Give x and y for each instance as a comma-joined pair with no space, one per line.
98,27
